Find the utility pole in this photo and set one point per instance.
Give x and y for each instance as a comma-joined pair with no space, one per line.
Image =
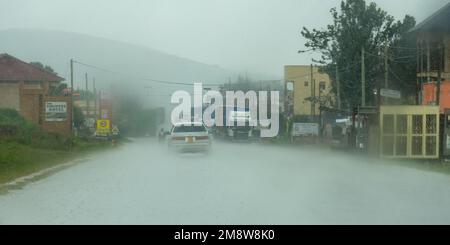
71,93
363,78
439,78
285,95
313,108
87,96
386,68
338,85
428,62
95,98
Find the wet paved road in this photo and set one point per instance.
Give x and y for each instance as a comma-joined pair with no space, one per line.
236,184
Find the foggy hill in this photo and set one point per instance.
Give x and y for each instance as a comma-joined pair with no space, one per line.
56,48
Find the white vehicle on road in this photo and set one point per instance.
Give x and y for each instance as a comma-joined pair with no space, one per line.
189,137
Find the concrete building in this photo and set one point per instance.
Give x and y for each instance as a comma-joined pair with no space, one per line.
28,90
433,45
305,84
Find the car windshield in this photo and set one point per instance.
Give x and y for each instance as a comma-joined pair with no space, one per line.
189,129
224,112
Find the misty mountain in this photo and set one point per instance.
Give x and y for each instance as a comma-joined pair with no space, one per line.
127,62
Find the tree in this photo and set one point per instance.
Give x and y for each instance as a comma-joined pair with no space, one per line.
58,90
42,67
403,59
78,117
135,120
355,26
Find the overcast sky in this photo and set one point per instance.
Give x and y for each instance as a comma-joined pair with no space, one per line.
254,35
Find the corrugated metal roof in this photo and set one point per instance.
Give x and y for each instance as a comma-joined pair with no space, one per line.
440,20
13,69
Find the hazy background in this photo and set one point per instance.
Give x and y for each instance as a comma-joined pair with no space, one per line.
241,35
208,41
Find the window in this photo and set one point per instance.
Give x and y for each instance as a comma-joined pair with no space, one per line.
306,83
290,86
322,86
189,129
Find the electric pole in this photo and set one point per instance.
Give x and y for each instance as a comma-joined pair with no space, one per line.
285,95
363,78
95,98
439,78
71,93
87,96
313,108
428,63
386,68
338,87
386,73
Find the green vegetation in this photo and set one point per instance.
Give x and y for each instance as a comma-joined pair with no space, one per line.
43,67
358,24
134,120
25,149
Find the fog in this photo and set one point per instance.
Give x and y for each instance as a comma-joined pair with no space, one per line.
142,183
255,36
142,52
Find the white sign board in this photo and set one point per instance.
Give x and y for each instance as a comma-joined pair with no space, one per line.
391,93
115,130
55,111
305,129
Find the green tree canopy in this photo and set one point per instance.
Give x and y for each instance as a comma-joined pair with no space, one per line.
43,67
356,25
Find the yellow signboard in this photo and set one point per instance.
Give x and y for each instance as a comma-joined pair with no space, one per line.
103,127
103,124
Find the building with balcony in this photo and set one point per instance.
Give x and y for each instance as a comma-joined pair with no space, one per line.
433,57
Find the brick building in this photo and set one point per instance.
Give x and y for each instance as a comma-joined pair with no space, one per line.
28,89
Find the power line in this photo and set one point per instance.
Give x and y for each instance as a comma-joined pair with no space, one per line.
395,75
166,82
317,72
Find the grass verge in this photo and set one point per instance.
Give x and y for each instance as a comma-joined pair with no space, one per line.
18,160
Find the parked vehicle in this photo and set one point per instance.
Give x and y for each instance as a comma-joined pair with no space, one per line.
190,137
233,118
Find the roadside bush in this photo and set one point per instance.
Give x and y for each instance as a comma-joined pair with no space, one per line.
8,131
9,152
40,139
11,117
14,128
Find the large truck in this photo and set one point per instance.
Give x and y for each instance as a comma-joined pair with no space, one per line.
233,117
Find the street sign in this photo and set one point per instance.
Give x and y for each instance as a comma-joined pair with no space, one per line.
395,94
103,128
305,129
103,124
367,110
55,111
115,130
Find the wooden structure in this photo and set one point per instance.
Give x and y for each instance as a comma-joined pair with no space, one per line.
409,132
